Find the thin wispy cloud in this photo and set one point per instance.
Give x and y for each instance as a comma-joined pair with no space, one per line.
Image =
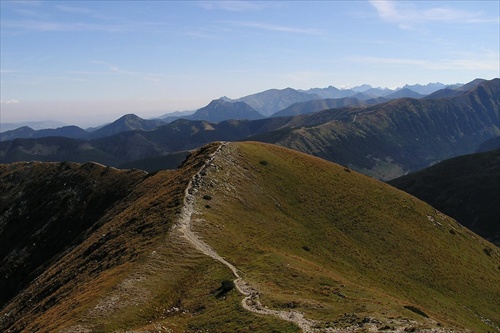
73,9
29,9
306,79
26,4
57,26
28,13
112,69
88,13
390,61
77,72
9,101
201,35
232,6
278,28
406,14
174,48
54,26
490,62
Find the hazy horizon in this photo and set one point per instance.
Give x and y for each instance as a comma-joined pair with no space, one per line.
152,114
88,63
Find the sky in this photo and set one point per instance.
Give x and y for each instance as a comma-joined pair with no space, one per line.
89,62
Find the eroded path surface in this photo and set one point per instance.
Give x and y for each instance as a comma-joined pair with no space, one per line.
251,300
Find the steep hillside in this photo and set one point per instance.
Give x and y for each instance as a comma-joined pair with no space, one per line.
155,164
128,270
21,132
466,188
390,139
273,100
331,92
319,105
219,110
55,149
48,207
491,144
404,93
319,239
314,244
126,123
454,90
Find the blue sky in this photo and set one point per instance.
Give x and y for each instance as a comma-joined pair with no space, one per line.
89,62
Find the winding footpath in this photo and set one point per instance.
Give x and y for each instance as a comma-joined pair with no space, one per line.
251,301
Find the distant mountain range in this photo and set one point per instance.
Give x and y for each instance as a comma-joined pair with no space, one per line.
266,103
125,123
370,92
384,140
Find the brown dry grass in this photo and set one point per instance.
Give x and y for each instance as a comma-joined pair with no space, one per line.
380,247
302,230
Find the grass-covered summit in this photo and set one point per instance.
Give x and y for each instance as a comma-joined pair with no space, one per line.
324,240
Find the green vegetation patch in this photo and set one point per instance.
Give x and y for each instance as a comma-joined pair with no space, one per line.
376,246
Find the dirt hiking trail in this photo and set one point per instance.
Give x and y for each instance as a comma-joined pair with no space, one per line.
251,300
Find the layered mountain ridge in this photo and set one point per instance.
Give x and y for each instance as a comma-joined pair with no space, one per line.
272,100
385,140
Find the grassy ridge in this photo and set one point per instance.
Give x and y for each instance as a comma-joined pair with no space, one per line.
305,230
313,236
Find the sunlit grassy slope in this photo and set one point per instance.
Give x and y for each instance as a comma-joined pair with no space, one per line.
343,248
307,232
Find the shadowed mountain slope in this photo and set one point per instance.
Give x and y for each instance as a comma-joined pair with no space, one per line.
21,132
155,164
127,271
129,146
466,188
321,104
273,100
404,93
46,208
55,149
389,139
128,122
491,144
220,110
349,252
